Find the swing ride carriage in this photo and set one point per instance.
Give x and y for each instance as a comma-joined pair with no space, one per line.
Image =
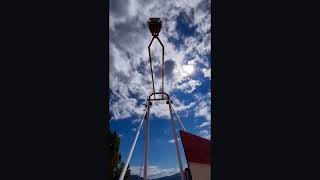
197,149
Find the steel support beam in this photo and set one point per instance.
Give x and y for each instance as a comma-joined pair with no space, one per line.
146,152
180,122
176,142
131,151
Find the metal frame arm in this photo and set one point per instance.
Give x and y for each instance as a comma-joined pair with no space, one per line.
162,66
176,142
180,122
131,150
146,148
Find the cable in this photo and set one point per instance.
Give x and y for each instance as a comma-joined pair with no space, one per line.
180,122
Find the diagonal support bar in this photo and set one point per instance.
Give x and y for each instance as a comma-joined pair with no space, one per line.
180,122
176,142
131,150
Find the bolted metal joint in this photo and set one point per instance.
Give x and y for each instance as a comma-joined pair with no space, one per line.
168,102
154,26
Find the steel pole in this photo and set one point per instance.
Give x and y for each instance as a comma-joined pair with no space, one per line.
146,152
177,117
176,142
131,151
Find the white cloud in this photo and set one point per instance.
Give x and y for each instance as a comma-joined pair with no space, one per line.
204,124
203,108
205,134
188,86
206,72
171,141
135,121
154,171
161,109
180,107
129,70
208,136
124,108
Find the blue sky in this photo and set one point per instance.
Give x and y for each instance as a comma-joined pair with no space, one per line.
186,36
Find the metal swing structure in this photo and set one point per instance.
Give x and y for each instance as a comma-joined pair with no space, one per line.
155,27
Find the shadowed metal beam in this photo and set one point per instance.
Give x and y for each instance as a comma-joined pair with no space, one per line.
151,65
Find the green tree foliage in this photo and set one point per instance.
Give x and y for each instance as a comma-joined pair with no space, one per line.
116,164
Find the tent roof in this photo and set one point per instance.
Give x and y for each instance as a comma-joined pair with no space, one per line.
197,149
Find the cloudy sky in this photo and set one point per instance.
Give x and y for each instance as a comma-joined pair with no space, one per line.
186,36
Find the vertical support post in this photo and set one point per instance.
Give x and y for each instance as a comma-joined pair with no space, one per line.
146,153
176,141
131,151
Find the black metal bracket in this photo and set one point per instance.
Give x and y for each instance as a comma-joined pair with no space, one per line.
155,27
